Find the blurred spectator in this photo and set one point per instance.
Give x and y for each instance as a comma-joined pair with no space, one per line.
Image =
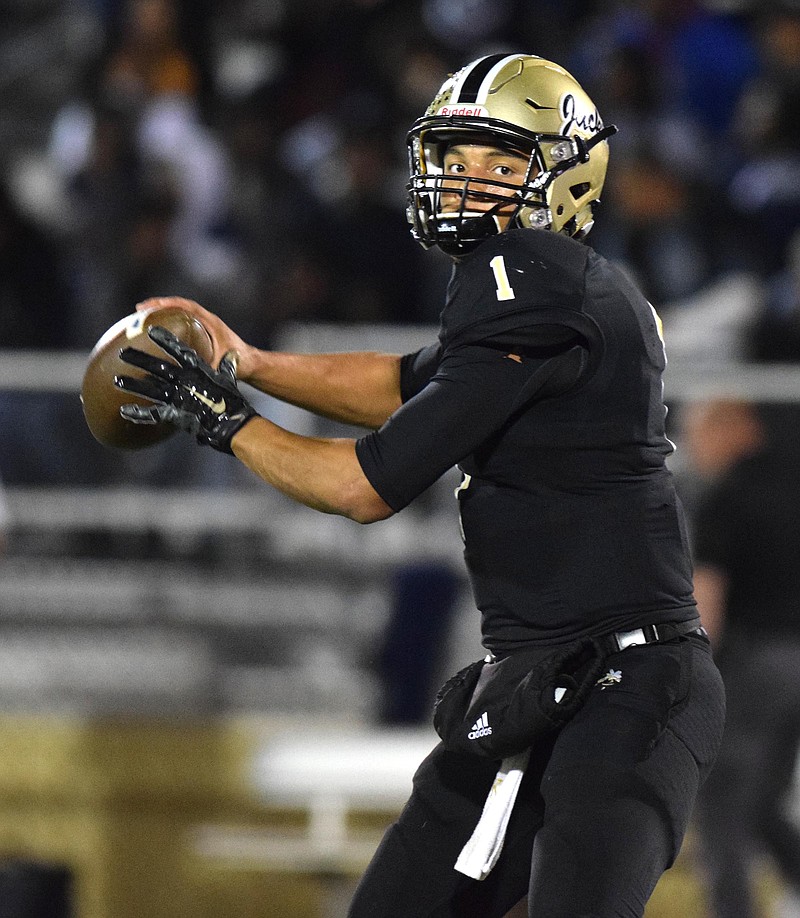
630,91
5,519
35,306
657,228
746,538
670,76
468,27
138,132
149,265
366,235
719,433
95,151
765,135
359,233
765,189
709,56
270,209
777,32
149,58
699,58
192,163
424,595
120,165
775,335
714,435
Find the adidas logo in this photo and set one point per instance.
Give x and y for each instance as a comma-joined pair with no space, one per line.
480,727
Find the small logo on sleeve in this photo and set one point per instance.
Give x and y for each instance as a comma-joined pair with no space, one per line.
480,727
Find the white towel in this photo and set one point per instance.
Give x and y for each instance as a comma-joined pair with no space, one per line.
481,852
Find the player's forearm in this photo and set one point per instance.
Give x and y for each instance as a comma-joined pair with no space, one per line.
360,388
324,474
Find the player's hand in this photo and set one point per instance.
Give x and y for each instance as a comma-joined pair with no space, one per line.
191,396
223,339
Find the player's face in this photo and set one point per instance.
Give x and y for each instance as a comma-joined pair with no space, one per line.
486,165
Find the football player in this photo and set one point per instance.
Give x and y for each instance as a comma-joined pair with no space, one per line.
545,388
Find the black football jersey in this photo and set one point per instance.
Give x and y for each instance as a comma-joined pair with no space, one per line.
545,388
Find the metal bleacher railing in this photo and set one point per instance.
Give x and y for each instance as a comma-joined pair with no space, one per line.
283,591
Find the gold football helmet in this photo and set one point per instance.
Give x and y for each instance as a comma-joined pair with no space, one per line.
516,101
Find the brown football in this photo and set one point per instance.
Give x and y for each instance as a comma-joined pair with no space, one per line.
101,399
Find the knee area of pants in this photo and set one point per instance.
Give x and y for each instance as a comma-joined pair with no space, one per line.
578,788
614,808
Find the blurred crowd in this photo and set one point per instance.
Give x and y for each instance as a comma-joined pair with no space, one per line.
251,155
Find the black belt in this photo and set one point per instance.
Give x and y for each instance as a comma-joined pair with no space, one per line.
650,634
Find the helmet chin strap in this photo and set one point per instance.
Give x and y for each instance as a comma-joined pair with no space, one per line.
458,233
480,218
475,226
480,224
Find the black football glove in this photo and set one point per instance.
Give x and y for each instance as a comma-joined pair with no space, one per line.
189,394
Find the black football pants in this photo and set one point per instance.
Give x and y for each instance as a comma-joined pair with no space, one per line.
600,815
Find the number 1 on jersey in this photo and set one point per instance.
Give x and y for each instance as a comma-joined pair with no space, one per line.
504,288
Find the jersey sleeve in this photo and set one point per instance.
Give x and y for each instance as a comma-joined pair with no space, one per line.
417,369
513,331
474,391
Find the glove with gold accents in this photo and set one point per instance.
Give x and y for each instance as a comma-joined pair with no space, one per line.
189,394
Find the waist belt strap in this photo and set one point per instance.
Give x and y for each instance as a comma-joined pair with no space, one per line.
650,634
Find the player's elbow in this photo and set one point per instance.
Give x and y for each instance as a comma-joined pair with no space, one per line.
364,505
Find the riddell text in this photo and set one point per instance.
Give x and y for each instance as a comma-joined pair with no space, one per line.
461,110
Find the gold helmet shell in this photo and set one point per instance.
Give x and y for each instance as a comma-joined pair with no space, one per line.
526,103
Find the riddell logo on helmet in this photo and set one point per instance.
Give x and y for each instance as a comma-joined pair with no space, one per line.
474,111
